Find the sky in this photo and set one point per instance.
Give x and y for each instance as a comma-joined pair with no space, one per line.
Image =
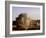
31,11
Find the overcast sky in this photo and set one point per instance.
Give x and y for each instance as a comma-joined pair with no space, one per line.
32,11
